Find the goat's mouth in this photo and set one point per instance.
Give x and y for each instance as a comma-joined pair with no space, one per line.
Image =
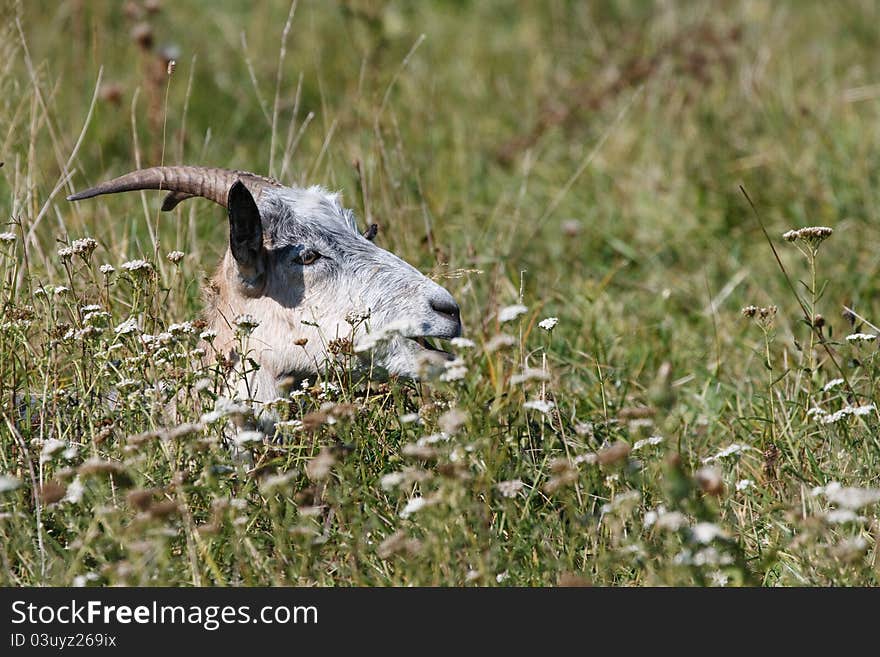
425,342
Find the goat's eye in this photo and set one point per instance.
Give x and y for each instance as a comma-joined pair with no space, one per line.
308,256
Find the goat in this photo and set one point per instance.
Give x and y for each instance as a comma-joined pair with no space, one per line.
298,265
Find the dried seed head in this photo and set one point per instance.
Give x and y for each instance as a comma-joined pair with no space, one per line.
163,509
318,469
140,499
767,312
613,454
569,579
142,34
710,480
749,311
52,491
340,346
111,93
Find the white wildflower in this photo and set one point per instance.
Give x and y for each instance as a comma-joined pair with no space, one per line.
589,458
452,421
61,289
107,269
623,503
409,418
462,343
509,313
846,411
7,237
8,483
355,317
184,327
645,442
245,438
175,256
733,448
208,335
744,484
432,438
225,407
499,341
719,579
709,556
666,520
51,447
549,323
848,497
65,253
75,491
83,580
379,336
414,505
850,548
392,480
529,374
833,383
706,532
246,322
510,488
137,266
842,516
861,337
866,409
540,405
813,235
128,326
456,370
84,247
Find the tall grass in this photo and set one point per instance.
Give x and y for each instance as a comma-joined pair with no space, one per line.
581,160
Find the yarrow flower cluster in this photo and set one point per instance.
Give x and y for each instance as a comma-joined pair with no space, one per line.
7,237
811,235
509,313
175,256
107,269
137,267
549,323
861,337
763,315
830,418
540,405
355,317
128,326
246,323
84,247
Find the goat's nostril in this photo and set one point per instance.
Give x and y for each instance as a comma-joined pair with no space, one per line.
446,307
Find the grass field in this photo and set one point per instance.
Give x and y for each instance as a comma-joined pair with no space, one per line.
587,161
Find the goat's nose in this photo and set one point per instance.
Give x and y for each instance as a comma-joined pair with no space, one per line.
447,307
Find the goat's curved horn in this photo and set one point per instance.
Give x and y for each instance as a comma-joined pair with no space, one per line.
183,182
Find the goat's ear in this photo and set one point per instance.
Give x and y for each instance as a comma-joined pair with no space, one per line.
245,231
